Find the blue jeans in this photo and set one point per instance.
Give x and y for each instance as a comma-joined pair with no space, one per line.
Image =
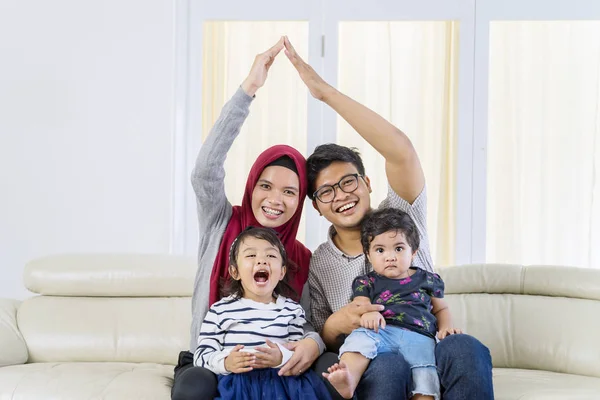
418,351
464,366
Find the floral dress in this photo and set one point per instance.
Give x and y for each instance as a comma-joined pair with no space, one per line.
407,301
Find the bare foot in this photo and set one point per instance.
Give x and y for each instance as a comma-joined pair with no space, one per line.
341,379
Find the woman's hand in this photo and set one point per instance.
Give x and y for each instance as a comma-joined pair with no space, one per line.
306,351
260,68
269,356
316,85
239,361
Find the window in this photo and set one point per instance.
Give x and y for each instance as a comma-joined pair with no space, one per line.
501,100
543,204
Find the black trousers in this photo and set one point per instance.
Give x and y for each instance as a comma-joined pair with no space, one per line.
192,383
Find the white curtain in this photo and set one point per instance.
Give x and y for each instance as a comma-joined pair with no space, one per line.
278,113
406,72
543,200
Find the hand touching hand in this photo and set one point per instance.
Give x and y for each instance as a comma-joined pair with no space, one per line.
306,351
316,85
447,331
239,361
372,320
260,68
354,311
268,356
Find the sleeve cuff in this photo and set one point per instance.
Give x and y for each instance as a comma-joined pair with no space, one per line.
315,336
218,364
240,98
286,355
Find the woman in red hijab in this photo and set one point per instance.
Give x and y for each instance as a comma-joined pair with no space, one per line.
273,198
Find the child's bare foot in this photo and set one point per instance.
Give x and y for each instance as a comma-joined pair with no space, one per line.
341,379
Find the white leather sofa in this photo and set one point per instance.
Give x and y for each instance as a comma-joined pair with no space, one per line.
111,326
541,324
103,327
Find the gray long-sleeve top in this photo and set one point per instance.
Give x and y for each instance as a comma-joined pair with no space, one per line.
214,210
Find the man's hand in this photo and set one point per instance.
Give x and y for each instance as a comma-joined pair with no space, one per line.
372,320
306,351
268,357
239,361
447,331
354,311
260,68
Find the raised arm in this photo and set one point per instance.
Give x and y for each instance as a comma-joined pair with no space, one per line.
403,167
208,177
209,173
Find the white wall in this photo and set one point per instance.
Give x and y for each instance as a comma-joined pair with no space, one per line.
86,110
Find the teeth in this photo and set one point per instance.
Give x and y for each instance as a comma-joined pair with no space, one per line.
272,211
346,207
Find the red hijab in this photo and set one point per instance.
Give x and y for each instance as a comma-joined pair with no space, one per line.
243,217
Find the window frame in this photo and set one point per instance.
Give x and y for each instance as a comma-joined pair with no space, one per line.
323,16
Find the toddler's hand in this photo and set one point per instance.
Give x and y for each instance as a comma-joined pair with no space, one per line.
268,357
443,332
372,320
238,361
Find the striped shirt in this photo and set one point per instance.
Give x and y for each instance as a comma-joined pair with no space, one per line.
230,322
332,272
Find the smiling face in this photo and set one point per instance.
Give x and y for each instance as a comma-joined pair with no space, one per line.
391,255
259,267
275,196
347,210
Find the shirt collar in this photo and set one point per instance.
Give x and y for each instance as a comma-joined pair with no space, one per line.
330,234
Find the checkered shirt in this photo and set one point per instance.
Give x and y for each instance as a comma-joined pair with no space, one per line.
332,272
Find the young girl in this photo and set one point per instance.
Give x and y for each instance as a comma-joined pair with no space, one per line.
273,198
243,335
414,308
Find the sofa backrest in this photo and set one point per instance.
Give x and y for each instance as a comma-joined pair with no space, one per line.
530,317
120,308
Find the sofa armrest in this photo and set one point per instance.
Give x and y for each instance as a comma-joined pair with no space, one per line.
14,349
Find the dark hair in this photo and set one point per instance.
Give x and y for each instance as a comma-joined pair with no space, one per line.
385,220
286,162
326,154
233,287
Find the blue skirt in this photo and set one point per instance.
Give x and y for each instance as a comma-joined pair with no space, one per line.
265,384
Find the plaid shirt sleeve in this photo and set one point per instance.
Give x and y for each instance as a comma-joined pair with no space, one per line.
319,305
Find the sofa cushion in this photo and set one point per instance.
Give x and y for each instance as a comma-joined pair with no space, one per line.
111,275
87,329
80,381
14,350
549,327
511,384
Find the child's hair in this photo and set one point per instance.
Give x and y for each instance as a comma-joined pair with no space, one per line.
385,220
326,154
233,287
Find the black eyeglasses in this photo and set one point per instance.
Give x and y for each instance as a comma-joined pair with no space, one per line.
348,184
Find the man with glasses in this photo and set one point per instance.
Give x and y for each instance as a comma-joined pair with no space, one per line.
340,191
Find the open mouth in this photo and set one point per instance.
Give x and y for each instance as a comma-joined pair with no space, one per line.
346,207
261,276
